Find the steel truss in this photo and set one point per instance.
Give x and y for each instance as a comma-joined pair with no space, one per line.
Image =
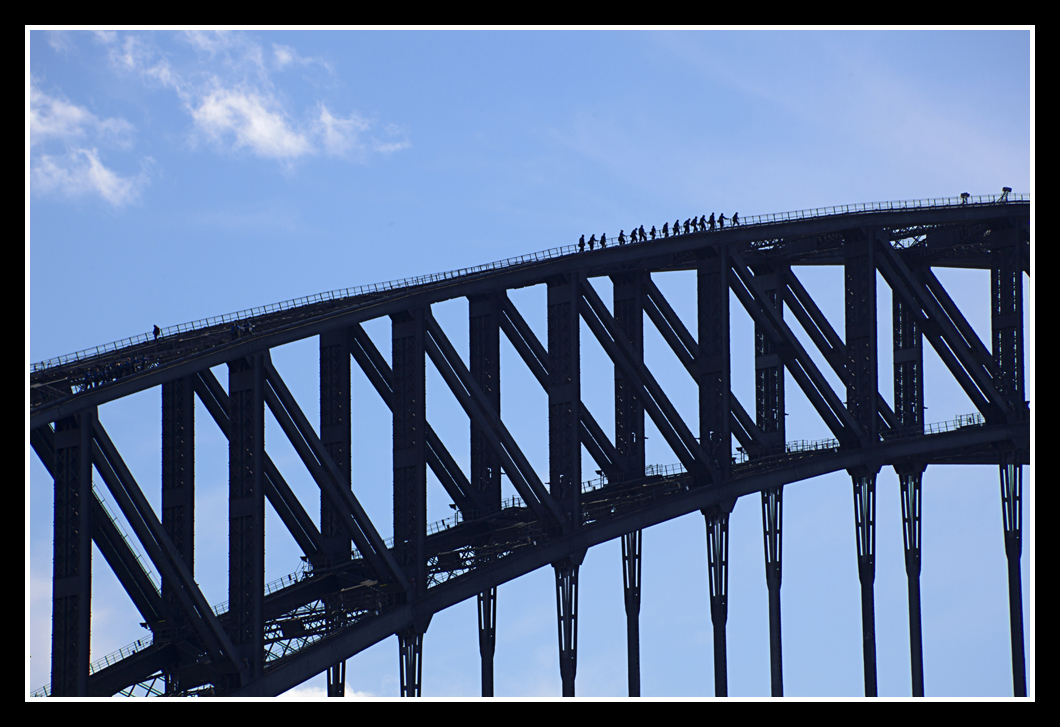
357,589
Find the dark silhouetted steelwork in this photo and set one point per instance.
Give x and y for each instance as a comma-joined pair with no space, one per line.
356,589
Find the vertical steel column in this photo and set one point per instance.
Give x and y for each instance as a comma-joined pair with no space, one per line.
567,616
564,397
629,442
246,512
178,485
484,315
859,262
769,416
911,486
715,407
718,570
715,434
487,636
629,412
335,435
865,534
410,477
1006,324
772,502
631,565
909,409
564,454
1011,510
72,555
410,645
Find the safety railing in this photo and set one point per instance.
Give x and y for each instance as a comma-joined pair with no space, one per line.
346,294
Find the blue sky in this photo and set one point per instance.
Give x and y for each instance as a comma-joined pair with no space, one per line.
177,175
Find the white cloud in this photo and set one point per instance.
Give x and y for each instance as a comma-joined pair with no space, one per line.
81,172
232,101
340,136
55,118
248,117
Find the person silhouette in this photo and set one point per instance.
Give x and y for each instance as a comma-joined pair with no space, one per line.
621,237
721,221
735,218
652,232
158,332
712,222
592,242
666,229
603,240
642,237
581,244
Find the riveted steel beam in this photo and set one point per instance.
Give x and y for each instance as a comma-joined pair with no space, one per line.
327,476
72,555
112,545
795,358
440,461
283,500
713,374
163,554
536,358
477,406
686,349
564,397
246,511
662,412
953,339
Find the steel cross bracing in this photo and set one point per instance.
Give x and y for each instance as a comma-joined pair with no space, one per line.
357,589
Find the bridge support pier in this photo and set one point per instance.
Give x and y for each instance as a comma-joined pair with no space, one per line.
410,646
911,486
718,566
865,531
771,532
487,636
567,615
1011,511
631,563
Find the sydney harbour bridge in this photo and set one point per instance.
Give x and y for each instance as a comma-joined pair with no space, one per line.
358,589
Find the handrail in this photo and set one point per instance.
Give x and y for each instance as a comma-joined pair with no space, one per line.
551,253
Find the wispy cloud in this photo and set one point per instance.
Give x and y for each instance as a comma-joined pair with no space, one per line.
65,157
80,172
247,119
55,118
233,102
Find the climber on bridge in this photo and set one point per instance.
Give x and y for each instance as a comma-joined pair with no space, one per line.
735,218
581,244
712,222
621,237
721,221
158,332
666,229
677,227
592,242
703,223
642,237
603,240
